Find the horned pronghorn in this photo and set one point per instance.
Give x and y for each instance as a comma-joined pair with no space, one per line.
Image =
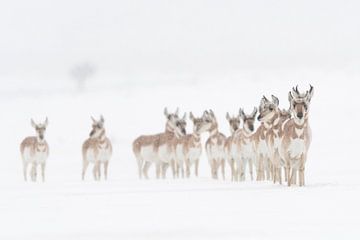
188,148
97,149
244,145
146,147
230,144
275,118
35,151
215,147
262,161
297,135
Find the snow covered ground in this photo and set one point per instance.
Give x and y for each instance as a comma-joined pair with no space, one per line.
192,54
125,207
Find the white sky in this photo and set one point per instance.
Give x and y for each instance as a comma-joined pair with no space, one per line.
42,38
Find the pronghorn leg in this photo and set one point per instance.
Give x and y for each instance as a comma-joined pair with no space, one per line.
33,172
223,168
25,167
258,170
187,167
214,169
85,166
95,171
106,164
164,168
197,167
251,169
232,166
158,170
280,175
146,169
43,171
267,170
99,170
140,163
243,170
292,176
174,168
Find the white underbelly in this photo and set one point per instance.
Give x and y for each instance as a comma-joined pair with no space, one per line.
103,155
164,154
215,152
297,148
148,154
247,151
263,148
194,154
38,157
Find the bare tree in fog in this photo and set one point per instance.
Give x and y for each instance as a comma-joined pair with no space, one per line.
82,73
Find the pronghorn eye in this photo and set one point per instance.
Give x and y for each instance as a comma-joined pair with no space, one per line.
271,108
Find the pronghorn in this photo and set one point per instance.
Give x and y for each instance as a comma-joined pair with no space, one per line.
35,150
230,144
97,149
215,147
297,135
244,144
275,118
146,147
188,148
262,161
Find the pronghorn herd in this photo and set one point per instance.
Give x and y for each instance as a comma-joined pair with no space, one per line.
280,144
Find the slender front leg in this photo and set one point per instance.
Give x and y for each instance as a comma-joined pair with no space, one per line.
85,166
43,171
106,164
146,169
158,170
197,167
223,168
33,172
95,171
25,167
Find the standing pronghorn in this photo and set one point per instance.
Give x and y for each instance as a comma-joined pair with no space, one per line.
297,135
244,145
262,161
276,118
146,147
35,151
230,144
188,148
97,149
215,147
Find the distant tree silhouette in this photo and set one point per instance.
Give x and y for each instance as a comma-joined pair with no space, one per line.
81,73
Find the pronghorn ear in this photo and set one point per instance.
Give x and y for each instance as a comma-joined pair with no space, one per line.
33,124
206,113
191,116
310,93
46,122
264,99
102,119
166,112
227,116
242,114
177,111
93,119
275,100
253,114
290,96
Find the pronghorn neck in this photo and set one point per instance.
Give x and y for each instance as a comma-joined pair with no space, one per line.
102,136
168,128
40,141
196,136
246,133
214,131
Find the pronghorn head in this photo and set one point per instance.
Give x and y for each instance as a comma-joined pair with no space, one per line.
97,127
234,122
268,109
211,117
174,123
300,102
201,124
248,120
40,128
285,114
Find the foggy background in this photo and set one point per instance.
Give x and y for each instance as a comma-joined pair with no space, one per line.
168,42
